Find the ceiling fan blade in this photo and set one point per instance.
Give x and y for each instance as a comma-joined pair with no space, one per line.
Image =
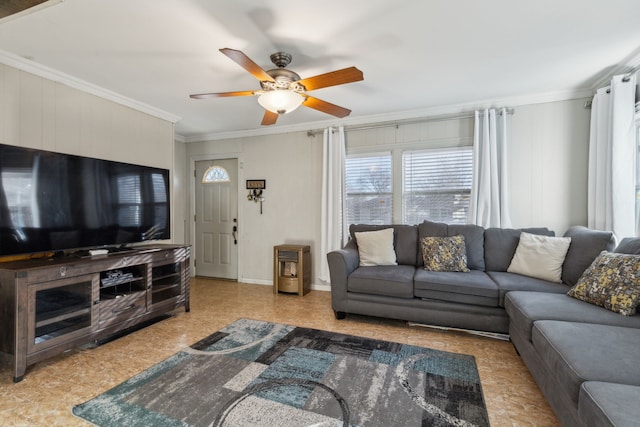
245,62
11,7
326,107
269,118
222,94
338,77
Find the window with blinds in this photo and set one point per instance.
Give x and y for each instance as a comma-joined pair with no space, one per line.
369,189
436,185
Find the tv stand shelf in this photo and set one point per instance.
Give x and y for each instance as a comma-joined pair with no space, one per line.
49,305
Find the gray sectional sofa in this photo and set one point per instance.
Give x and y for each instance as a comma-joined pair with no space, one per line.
582,356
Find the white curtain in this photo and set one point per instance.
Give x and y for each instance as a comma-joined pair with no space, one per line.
489,206
612,159
333,155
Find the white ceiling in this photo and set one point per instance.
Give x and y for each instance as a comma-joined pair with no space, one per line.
415,54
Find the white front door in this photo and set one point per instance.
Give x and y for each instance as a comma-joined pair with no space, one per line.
217,219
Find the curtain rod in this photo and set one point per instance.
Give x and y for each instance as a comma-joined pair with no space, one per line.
627,76
396,123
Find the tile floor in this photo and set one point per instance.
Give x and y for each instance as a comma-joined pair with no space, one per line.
52,387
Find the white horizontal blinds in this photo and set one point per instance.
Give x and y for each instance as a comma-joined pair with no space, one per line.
369,189
436,185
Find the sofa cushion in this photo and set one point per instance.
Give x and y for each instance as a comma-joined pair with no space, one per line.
444,253
474,287
577,352
508,282
525,308
474,242
405,240
612,281
586,245
393,281
603,404
540,256
473,239
376,247
500,245
629,245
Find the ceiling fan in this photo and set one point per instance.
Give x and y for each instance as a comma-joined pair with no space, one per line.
283,90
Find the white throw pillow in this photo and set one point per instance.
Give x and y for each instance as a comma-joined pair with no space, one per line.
376,247
540,256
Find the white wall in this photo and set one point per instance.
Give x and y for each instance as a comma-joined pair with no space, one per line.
548,151
291,165
39,113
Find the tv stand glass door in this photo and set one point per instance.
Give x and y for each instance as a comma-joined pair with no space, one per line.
61,310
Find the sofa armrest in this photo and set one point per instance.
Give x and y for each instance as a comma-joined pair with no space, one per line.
342,263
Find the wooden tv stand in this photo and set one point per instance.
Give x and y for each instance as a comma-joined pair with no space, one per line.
49,305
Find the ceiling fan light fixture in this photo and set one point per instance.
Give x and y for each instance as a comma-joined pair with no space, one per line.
280,101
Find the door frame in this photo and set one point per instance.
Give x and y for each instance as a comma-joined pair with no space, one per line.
192,205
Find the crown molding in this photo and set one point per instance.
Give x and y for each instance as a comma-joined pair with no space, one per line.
24,64
539,98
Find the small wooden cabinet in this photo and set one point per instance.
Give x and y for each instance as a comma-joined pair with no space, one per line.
50,305
292,269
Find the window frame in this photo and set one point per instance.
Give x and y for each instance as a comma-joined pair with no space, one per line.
397,171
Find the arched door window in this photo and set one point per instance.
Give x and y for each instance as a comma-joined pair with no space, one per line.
215,175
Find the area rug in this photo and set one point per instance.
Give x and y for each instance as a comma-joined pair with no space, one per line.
254,373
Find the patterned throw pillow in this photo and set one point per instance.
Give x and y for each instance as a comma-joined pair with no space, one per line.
612,281
444,253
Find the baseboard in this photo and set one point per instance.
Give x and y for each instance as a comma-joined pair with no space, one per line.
314,287
494,335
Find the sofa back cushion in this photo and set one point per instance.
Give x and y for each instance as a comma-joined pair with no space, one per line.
473,240
629,245
500,245
405,240
586,245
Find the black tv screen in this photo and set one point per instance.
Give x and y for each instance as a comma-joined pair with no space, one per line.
58,202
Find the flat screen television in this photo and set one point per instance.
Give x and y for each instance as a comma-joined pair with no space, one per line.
53,202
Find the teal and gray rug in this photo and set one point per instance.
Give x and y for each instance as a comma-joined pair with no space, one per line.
255,373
